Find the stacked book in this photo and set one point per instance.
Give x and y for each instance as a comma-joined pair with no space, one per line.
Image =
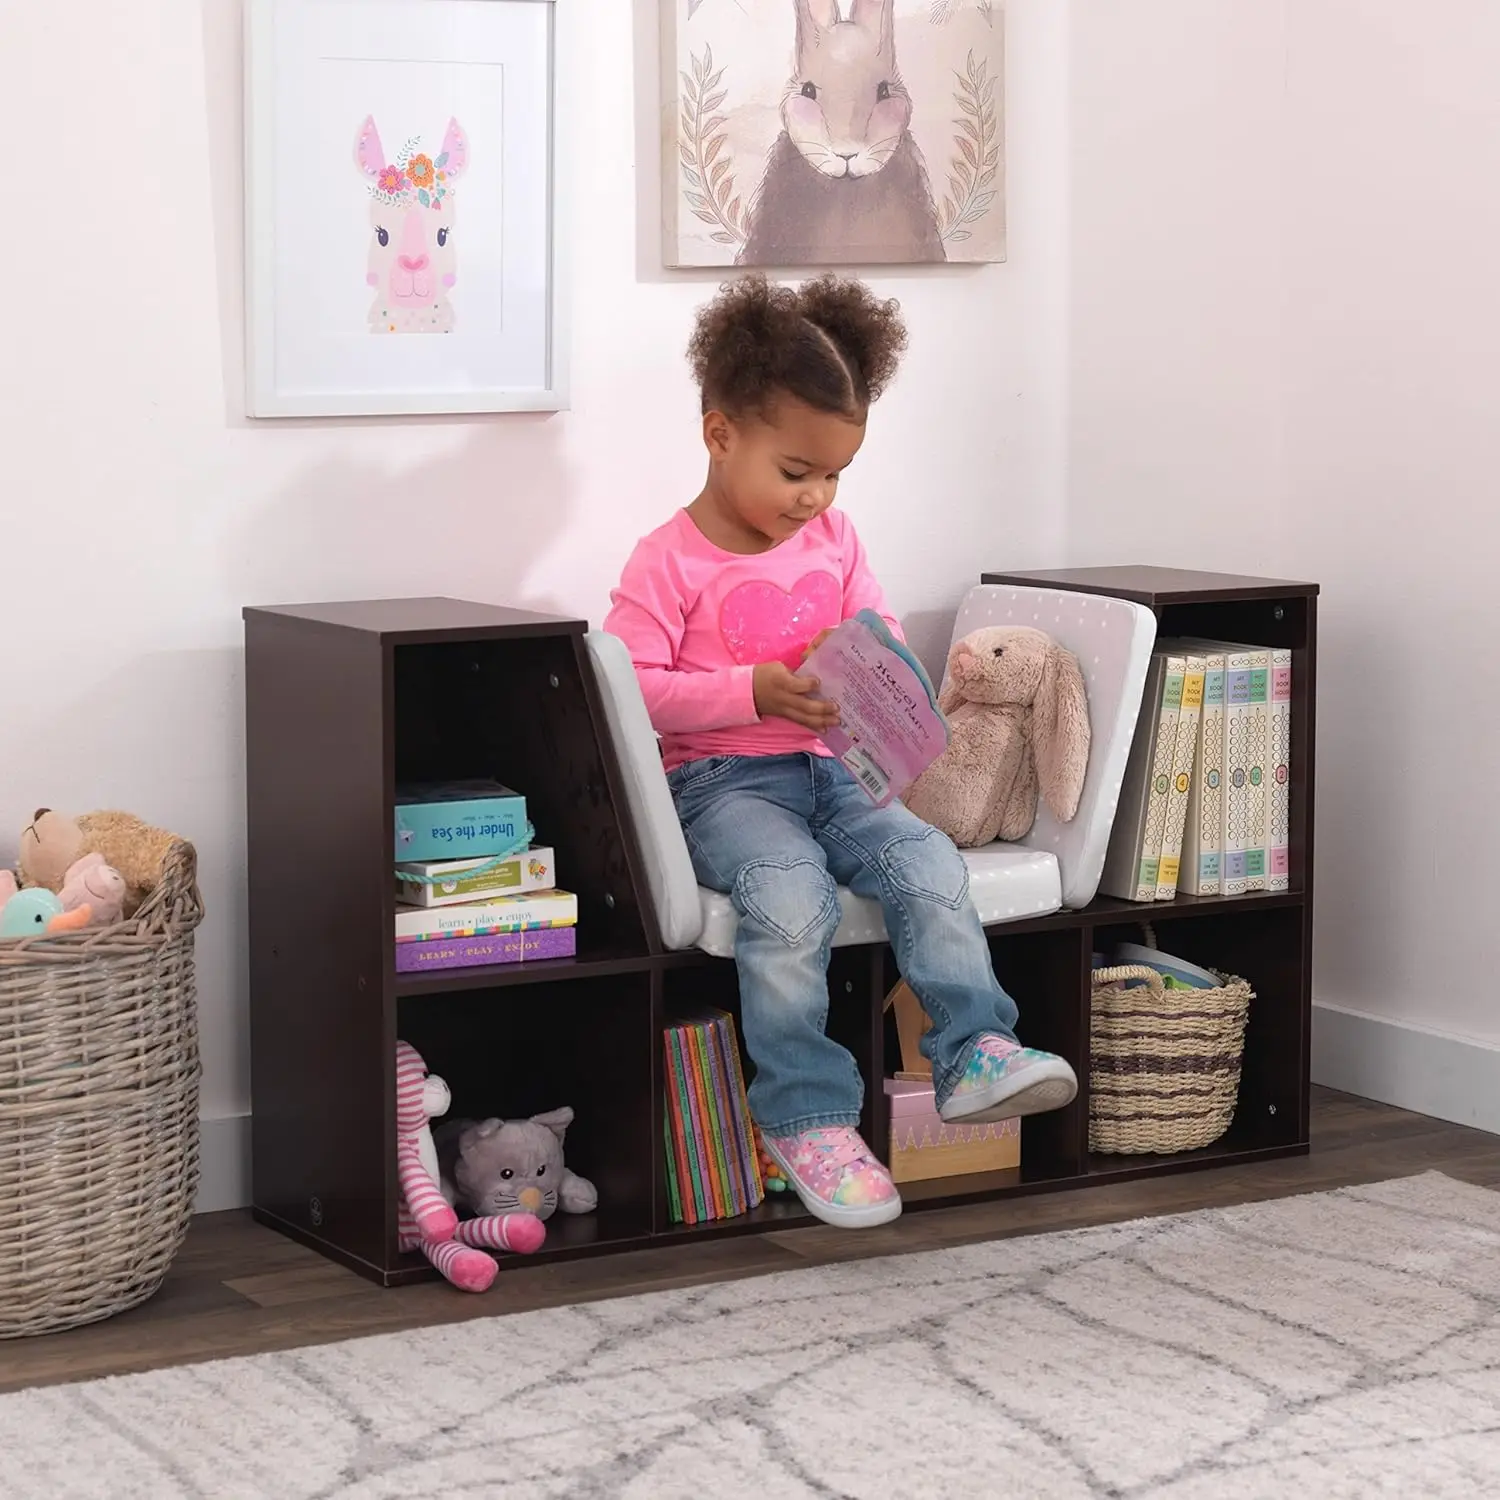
496,904
1205,803
713,1171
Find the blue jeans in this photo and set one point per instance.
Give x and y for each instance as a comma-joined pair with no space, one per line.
779,834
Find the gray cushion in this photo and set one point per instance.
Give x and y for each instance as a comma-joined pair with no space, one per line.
648,801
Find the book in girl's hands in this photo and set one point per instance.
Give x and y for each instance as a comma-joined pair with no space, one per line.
890,728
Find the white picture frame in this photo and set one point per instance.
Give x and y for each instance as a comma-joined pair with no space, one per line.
429,281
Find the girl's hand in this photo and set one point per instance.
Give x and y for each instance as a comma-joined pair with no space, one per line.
781,695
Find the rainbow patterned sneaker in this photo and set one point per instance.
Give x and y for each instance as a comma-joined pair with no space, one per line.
832,1171
1003,1080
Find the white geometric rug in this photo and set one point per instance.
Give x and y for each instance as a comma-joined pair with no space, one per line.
1338,1344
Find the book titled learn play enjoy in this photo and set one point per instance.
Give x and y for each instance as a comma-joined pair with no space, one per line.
890,728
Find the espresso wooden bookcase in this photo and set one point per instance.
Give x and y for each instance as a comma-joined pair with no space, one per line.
345,700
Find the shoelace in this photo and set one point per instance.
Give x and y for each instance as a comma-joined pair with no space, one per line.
839,1148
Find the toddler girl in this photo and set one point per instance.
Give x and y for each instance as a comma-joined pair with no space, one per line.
718,609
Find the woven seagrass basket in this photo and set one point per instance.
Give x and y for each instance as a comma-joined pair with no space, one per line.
1164,1064
98,1110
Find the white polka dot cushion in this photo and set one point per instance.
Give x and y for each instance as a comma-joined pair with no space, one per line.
1112,639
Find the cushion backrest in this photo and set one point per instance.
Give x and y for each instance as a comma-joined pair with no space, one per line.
1112,639
648,800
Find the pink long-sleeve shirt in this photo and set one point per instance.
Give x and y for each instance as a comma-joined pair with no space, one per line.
697,620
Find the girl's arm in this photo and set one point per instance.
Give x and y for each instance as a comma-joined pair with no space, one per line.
648,614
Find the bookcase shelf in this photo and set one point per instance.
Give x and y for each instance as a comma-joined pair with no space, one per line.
345,700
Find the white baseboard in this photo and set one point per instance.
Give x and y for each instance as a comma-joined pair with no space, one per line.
224,1147
1454,1078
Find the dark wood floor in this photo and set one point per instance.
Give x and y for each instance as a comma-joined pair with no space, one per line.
241,1289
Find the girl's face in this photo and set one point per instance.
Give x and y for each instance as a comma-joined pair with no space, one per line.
773,475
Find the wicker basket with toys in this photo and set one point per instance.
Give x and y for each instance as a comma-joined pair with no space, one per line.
99,1071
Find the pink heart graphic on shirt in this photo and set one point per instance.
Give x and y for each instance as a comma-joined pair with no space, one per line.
762,622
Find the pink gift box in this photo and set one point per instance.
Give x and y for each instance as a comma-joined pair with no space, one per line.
923,1147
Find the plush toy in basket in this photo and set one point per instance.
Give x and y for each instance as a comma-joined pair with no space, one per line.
107,860
1019,717
80,874
36,913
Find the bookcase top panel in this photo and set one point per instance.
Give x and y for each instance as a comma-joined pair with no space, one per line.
1154,586
414,621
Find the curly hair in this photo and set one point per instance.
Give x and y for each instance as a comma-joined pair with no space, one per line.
831,343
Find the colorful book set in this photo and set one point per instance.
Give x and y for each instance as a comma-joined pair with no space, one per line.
496,902
1205,803
713,1166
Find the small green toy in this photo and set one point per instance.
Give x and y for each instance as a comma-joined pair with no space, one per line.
36,912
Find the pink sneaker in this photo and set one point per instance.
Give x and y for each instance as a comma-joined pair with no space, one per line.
838,1180
1003,1080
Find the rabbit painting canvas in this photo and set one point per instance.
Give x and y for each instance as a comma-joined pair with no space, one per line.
835,132
412,258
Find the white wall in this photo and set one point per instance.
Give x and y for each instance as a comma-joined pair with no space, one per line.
1392,452
141,510
1284,319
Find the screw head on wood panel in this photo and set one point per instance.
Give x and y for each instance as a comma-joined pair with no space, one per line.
315,1212
1273,1109
848,986
609,900
553,680
1279,613
360,982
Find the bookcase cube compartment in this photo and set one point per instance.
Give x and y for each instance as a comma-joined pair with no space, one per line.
1261,944
517,711
1043,971
517,1052
694,982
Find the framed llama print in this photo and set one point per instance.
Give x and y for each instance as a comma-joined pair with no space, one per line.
403,209
833,132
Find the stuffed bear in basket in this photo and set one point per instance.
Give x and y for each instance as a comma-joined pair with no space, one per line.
111,860
89,872
1018,714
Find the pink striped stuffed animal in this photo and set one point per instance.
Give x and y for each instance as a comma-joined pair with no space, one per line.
426,1222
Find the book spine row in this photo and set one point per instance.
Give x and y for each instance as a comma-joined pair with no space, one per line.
713,1171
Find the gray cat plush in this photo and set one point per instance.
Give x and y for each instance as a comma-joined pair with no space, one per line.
511,1166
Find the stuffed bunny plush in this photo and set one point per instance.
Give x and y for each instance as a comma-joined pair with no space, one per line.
1017,710
512,1166
845,180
